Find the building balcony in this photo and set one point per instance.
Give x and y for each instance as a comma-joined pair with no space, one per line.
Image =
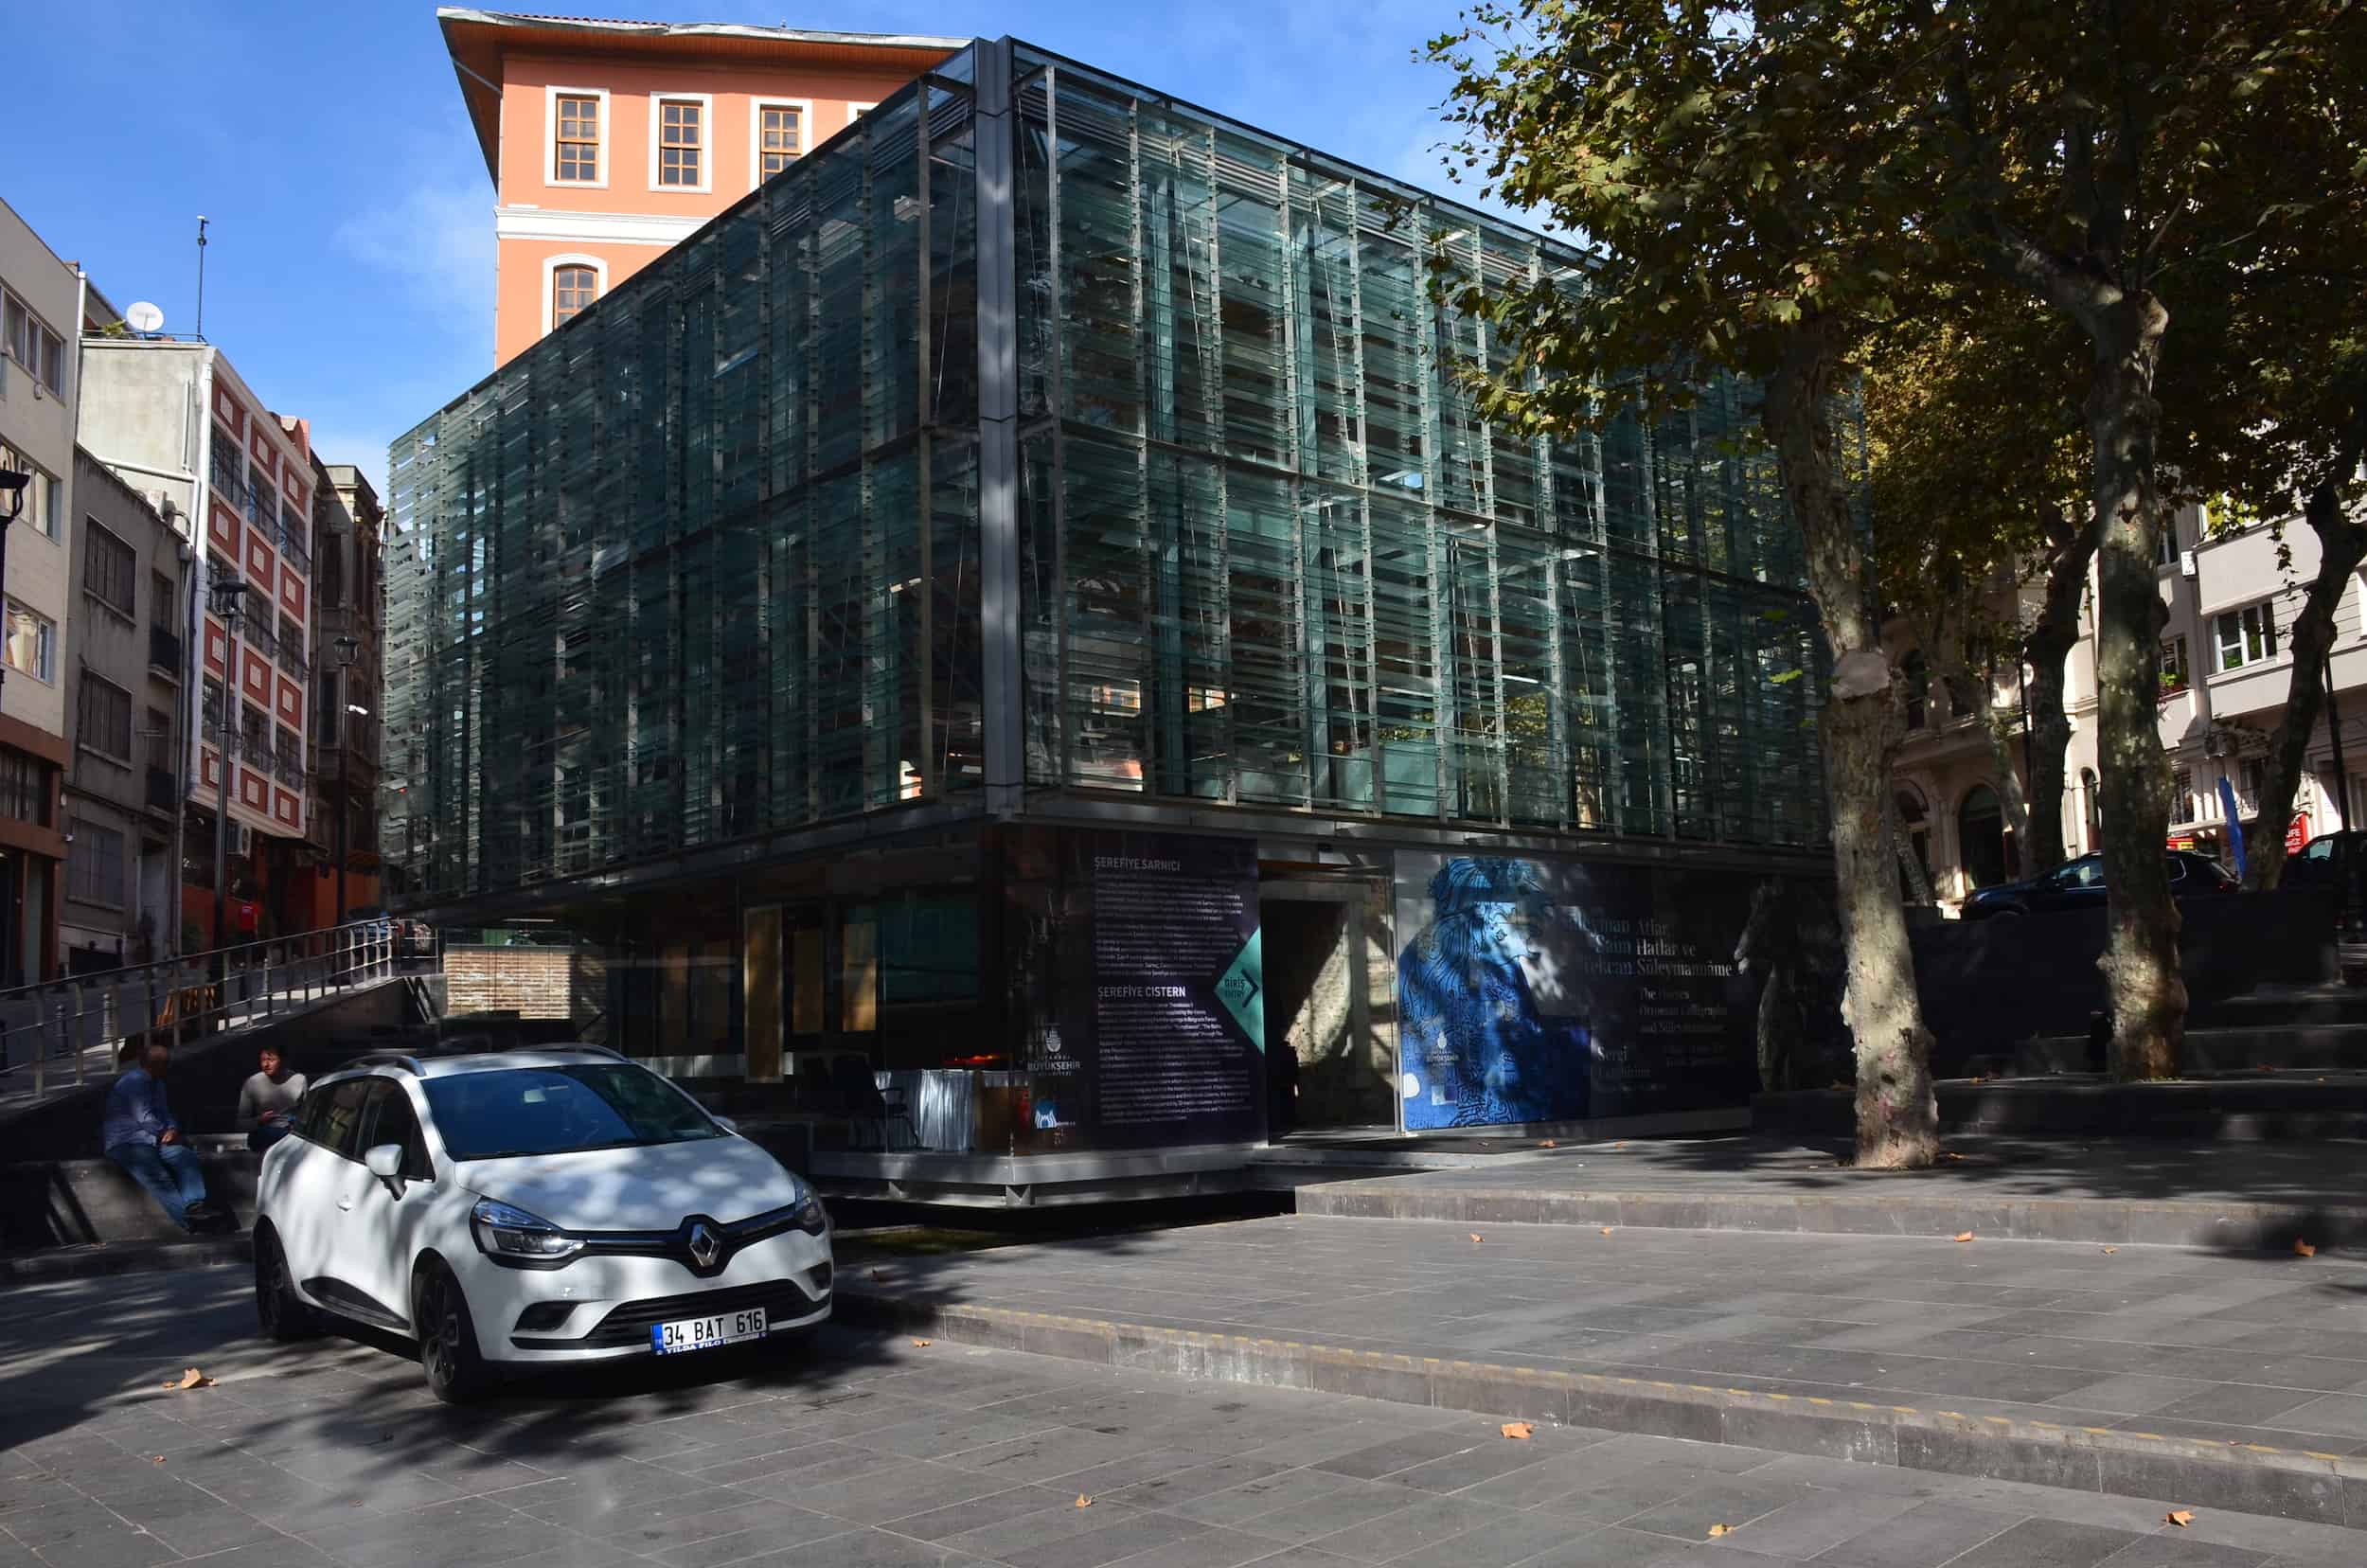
164,653
164,790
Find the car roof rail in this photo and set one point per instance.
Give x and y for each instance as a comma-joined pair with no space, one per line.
384,1059
609,1051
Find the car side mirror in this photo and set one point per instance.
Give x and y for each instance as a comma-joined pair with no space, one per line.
386,1163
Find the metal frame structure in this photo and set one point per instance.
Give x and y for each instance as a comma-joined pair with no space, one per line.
1042,444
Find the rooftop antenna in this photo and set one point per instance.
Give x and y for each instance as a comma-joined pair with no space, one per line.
200,276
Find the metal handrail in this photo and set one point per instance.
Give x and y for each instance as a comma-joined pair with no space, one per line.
75,1025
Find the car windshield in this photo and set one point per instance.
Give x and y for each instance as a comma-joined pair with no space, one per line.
562,1109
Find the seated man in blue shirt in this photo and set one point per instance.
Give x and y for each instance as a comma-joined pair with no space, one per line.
143,1136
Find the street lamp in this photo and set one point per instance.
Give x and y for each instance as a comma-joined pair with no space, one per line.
349,654
15,482
227,600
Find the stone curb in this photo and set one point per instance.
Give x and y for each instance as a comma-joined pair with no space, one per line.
122,1257
2243,1226
2323,1488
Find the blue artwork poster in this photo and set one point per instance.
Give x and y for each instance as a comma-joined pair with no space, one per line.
1536,990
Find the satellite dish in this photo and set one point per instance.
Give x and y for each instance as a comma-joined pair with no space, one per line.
144,318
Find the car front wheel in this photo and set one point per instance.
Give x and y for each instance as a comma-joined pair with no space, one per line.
447,1348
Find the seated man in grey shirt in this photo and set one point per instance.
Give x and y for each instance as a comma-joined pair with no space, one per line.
267,1102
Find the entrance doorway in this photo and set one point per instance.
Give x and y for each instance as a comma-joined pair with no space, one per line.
1329,1065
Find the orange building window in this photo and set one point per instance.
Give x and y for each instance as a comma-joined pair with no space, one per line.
681,142
779,139
579,139
573,289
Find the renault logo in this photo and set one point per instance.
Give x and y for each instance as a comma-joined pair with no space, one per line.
704,1246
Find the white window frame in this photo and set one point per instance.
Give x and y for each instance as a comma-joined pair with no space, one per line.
44,508
706,141
550,137
857,110
45,644
2253,621
39,324
550,284
755,131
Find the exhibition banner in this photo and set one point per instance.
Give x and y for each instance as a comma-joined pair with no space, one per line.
1545,991
1149,1030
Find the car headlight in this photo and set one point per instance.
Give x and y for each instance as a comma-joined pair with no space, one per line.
505,1231
811,1217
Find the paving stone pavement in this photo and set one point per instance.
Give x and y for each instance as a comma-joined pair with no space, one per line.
2233,1348
1978,1169
865,1450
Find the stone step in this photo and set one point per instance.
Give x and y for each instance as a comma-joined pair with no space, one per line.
48,1203
2260,1108
2323,1488
2224,1048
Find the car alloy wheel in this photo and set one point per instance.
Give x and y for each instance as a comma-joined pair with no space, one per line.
447,1348
278,1311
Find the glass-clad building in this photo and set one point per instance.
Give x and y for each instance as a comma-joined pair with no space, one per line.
1023,605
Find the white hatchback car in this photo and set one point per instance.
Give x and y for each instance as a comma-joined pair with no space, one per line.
529,1208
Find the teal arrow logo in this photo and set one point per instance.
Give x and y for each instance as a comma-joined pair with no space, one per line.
1243,991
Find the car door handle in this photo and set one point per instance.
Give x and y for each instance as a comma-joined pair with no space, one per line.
344,1203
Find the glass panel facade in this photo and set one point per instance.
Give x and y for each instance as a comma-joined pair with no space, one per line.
706,563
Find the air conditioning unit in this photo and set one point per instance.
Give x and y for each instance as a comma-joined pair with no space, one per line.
242,839
2213,743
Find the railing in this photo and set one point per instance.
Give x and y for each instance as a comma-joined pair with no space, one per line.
70,1030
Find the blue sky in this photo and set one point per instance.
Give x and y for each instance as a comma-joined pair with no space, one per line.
350,272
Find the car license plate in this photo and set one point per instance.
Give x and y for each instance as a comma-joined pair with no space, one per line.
669,1339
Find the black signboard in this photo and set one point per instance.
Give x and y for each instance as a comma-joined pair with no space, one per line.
1142,1000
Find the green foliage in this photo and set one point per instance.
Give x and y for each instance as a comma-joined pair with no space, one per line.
1975,466
1729,163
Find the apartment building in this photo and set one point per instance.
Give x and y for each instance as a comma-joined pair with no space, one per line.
125,642
610,141
40,303
347,571
2226,669
173,416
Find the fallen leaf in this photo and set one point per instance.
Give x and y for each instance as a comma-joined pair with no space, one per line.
192,1378
1084,1502
1717,1530
1606,1230
2304,1249
1951,1155
920,1345
155,1458
1475,1236
1519,1430
1618,1145
1964,1236
1550,1144
2111,1248
2180,1517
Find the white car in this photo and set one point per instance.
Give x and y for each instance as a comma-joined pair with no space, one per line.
530,1208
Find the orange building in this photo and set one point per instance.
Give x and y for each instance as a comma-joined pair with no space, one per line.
610,141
